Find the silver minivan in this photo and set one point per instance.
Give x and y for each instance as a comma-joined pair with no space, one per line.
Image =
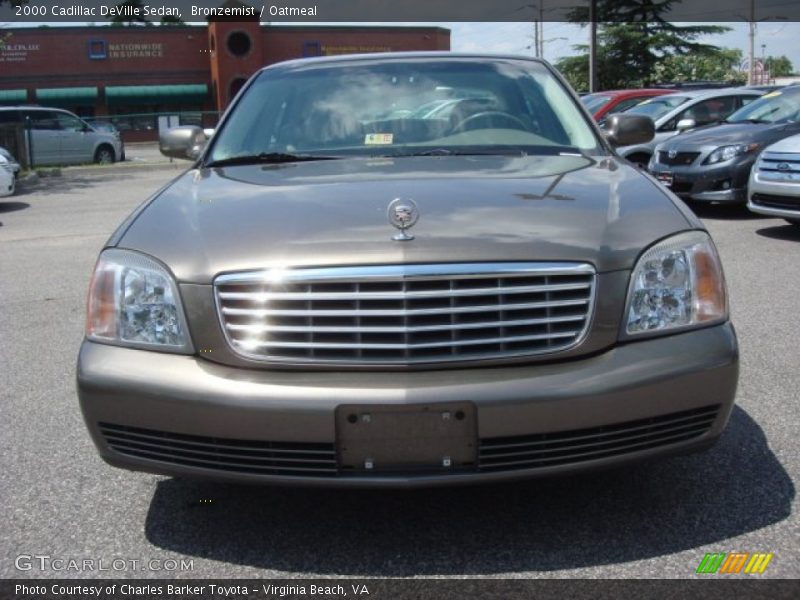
58,137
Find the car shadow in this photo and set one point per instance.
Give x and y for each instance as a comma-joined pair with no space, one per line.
11,206
58,185
788,232
722,211
614,516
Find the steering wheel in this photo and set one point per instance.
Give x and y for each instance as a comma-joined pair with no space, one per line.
491,114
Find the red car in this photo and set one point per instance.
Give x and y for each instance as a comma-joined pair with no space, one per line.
602,103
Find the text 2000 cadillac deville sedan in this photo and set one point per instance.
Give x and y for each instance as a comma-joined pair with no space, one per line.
406,269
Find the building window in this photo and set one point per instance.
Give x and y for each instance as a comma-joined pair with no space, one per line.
312,49
235,86
97,49
239,43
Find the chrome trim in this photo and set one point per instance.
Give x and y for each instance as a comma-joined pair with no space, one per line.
403,274
773,212
406,272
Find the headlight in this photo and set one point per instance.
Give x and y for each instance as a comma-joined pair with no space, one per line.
133,301
724,153
678,283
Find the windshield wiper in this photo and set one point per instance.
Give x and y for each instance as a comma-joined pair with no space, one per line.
266,158
497,151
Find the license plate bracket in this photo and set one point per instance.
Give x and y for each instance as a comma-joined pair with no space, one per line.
379,438
666,179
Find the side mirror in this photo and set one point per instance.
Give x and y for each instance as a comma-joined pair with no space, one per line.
685,124
627,130
186,142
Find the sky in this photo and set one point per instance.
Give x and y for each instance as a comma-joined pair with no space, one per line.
515,38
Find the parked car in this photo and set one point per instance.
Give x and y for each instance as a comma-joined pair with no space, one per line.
713,163
682,111
7,177
11,162
774,186
601,104
108,127
59,137
331,297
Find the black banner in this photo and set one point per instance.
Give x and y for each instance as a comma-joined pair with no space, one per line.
317,11
395,589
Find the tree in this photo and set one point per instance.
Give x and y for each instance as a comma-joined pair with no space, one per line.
126,17
171,20
717,65
779,66
633,39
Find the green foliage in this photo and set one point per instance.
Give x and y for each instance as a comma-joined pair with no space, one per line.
717,65
123,19
633,40
172,21
779,66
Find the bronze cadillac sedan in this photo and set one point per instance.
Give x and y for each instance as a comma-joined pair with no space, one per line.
400,270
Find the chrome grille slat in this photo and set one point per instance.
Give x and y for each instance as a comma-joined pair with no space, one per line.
411,346
406,314
262,297
265,312
400,329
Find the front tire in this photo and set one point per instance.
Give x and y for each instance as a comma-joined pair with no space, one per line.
104,155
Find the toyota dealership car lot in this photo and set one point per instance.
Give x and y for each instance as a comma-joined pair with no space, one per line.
713,164
663,516
340,303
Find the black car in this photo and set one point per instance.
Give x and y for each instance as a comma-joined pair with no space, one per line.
713,163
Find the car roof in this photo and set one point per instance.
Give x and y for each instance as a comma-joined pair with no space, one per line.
390,56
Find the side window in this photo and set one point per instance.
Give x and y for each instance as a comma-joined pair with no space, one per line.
745,100
711,110
628,103
9,116
69,123
44,120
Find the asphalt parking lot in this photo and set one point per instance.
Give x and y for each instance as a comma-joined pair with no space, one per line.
652,520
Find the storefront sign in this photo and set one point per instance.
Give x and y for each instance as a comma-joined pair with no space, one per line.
136,50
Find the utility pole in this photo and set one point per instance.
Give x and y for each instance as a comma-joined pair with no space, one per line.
751,53
540,52
536,37
592,46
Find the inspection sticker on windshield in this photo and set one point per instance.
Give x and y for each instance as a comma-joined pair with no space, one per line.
376,139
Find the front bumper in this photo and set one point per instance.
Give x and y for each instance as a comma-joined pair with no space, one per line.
774,198
182,415
725,182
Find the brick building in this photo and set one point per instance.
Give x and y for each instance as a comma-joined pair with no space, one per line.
130,75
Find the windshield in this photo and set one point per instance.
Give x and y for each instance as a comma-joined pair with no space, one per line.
657,107
776,107
594,102
395,107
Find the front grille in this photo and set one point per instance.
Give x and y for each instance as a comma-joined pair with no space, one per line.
238,456
779,166
406,314
680,158
551,449
772,201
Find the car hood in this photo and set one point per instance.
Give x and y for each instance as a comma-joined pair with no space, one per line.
471,209
734,133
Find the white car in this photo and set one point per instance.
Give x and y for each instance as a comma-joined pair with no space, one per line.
774,186
7,179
